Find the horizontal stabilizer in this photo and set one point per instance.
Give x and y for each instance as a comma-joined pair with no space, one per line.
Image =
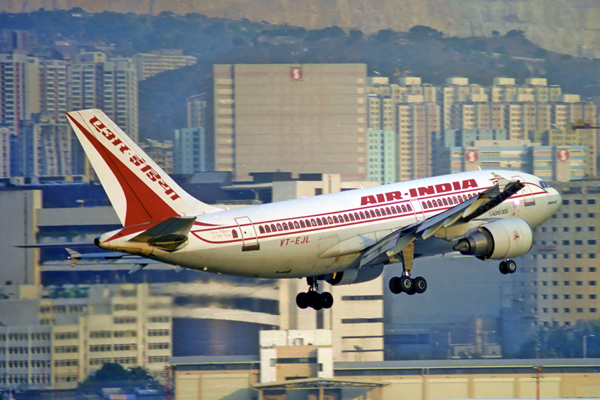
168,235
136,268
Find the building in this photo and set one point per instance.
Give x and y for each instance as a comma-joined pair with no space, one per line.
19,89
236,378
160,152
305,118
53,90
120,95
559,163
111,86
191,151
197,108
4,151
57,338
560,279
42,149
147,65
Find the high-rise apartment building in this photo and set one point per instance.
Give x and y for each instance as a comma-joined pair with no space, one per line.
53,90
120,100
196,111
190,149
305,118
148,65
19,89
111,86
4,151
56,338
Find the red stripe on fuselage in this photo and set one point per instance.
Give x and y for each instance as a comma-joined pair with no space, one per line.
138,211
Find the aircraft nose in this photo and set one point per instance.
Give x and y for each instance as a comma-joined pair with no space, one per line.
555,199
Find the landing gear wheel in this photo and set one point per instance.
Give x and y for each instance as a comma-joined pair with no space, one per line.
420,284
315,300
406,284
395,285
502,268
302,300
510,266
326,300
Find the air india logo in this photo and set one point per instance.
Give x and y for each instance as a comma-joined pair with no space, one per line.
563,155
296,73
471,156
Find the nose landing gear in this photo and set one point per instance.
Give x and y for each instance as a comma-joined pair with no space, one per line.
313,298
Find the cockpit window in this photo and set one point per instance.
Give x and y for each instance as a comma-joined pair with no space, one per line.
544,185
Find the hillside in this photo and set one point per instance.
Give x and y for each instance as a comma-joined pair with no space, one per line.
569,27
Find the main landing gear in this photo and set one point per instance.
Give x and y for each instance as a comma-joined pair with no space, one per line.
508,267
405,283
313,298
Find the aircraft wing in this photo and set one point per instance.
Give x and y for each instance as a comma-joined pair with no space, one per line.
388,247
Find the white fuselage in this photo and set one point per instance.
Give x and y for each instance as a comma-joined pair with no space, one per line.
328,232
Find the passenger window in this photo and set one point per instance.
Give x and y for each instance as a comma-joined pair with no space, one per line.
429,204
273,228
356,217
296,225
285,228
260,229
279,228
307,223
393,210
267,229
234,233
362,215
324,221
302,224
313,222
351,217
399,209
460,200
445,202
335,219
372,213
319,222
454,199
403,208
387,209
408,207
330,220
378,213
424,205
346,218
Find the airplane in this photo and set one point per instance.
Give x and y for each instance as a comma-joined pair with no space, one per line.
341,238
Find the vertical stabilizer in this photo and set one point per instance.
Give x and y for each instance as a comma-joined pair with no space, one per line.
139,190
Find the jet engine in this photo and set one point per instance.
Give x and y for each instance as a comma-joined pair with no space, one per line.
498,240
354,275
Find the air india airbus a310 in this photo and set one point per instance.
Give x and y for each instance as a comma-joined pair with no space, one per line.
342,238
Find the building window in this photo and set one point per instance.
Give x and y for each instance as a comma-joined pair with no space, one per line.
577,215
579,283
590,201
579,310
593,297
591,215
578,269
592,269
591,228
579,242
592,283
592,241
593,309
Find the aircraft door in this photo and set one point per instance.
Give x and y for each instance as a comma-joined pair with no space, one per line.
418,210
527,193
249,235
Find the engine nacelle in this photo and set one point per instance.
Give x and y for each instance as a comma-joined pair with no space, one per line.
354,275
498,240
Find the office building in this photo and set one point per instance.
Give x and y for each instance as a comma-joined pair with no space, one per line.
561,275
305,118
147,65
560,163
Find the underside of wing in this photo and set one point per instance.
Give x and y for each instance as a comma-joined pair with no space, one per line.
388,248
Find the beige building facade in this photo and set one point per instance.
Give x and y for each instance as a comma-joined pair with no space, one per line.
305,118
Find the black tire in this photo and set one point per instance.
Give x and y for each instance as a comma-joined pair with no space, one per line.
326,300
420,284
502,268
395,285
302,300
511,267
406,284
315,300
